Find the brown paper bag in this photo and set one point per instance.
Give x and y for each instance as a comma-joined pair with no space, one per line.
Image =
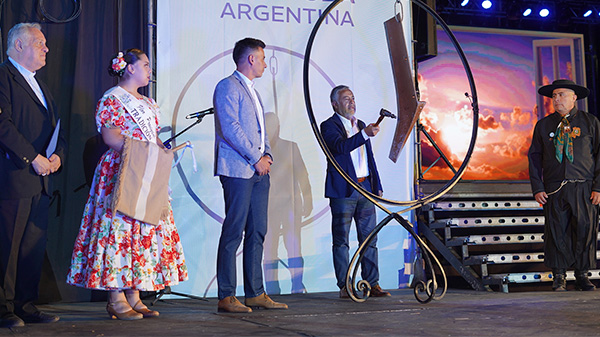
141,191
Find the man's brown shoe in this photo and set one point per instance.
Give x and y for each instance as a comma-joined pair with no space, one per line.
231,304
264,301
344,293
376,291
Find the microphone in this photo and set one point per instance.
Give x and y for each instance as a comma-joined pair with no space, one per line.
200,114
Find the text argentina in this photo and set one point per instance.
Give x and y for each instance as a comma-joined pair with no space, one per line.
242,11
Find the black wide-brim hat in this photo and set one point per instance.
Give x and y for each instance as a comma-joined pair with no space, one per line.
580,91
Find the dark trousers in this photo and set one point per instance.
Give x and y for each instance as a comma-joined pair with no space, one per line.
23,225
343,210
571,228
246,204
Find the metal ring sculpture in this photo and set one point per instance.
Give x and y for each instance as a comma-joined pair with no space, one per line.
428,287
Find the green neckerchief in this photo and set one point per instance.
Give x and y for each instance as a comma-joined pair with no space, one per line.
563,142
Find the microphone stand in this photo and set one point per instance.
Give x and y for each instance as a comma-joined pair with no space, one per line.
167,142
167,289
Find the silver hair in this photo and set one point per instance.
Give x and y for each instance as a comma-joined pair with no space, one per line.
336,91
18,31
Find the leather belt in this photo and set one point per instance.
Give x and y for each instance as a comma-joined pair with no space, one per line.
360,180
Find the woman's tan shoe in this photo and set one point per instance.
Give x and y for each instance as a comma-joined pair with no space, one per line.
142,309
125,316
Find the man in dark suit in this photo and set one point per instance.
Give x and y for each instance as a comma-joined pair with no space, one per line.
242,162
348,140
564,170
28,156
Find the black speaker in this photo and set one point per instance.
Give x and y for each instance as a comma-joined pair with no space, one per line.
424,32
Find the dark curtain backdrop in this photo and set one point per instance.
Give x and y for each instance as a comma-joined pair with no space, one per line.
80,52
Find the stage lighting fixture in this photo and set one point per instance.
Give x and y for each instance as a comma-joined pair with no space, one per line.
464,3
544,12
486,4
526,12
588,13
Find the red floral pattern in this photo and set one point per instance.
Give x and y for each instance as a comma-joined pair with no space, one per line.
114,251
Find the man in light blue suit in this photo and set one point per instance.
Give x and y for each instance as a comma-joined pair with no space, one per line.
242,162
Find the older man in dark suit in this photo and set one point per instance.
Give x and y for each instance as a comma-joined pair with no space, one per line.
348,140
564,170
242,162
29,154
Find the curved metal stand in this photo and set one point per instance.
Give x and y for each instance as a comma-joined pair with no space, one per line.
429,287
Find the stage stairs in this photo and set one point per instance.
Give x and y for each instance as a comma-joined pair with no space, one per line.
491,244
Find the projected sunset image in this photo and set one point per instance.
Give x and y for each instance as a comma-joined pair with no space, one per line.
503,69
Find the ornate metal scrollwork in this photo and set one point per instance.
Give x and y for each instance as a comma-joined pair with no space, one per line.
425,290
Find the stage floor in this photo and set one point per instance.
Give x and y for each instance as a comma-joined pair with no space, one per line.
459,313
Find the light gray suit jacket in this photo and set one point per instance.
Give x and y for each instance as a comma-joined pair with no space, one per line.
237,130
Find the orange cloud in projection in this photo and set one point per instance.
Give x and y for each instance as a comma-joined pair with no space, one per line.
518,117
548,106
488,122
515,147
503,139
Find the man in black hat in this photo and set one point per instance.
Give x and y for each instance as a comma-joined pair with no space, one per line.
564,169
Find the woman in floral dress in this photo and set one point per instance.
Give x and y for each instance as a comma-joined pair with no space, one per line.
113,251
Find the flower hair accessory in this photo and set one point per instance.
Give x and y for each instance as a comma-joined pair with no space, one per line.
119,64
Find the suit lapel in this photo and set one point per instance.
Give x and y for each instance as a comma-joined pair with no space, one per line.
338,123
360,124
247,90
259,101
18,77
50,108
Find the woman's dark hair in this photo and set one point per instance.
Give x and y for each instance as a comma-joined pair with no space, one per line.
130,57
